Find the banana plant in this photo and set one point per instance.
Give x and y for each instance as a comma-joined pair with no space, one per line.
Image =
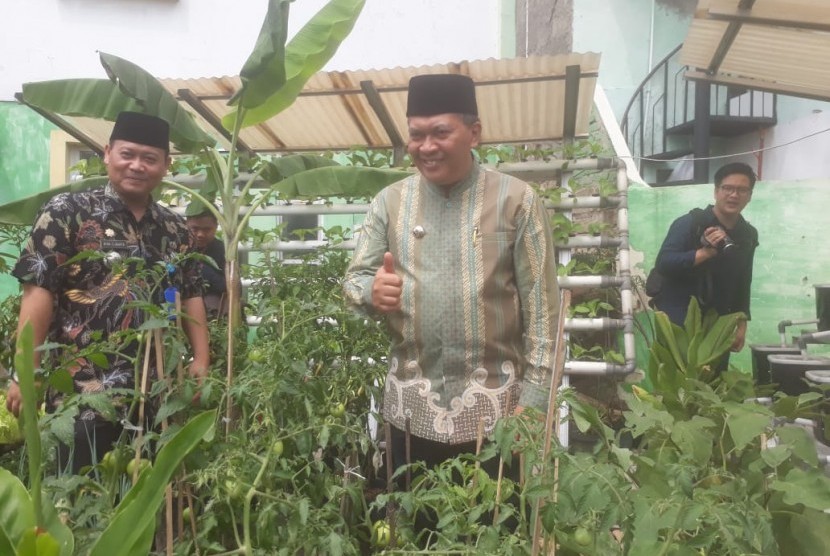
272,78
30,528
687,353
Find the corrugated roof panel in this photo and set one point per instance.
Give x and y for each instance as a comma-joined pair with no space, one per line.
520,100
778,45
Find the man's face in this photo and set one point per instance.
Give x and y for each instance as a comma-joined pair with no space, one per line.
134,169
203,229
440,147
733,194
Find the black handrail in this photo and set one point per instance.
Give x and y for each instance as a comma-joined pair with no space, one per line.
648,77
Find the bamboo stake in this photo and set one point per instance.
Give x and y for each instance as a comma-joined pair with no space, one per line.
479,443
390,509
145,370
508,402
408,447
168,490
192,520
552,416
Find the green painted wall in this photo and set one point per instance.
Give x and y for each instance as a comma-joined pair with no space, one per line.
24,161
24,151
794,254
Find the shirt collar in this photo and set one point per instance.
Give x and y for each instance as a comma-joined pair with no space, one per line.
469,181
115,204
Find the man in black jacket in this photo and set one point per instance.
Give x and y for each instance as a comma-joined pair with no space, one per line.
708,253
203,227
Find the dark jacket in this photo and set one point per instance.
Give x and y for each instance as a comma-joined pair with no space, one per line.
722,283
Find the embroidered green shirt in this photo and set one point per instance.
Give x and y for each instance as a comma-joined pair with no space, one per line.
476,331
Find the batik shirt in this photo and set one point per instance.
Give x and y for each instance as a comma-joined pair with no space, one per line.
476,331
93,292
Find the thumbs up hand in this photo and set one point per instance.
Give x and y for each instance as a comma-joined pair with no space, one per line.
386,289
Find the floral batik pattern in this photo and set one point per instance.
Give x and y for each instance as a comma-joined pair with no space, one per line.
89,251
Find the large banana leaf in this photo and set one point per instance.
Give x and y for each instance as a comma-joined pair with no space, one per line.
22,212
137,83
264,71
310,49
130,533
338,181
278,169
130,88
17,518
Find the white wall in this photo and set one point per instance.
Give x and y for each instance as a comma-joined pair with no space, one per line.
795,150
57,39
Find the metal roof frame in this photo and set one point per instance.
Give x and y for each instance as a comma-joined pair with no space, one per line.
539,99
771,45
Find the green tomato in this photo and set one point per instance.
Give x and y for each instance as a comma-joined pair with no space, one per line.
381,534
186,514
235,490
338,410
277,448
142,465
109,463
256,355
582,536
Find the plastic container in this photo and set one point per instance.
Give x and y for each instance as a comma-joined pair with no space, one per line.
823,306
760,364
788,371
821,378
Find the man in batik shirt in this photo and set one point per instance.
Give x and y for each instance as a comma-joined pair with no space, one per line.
75,301
460,260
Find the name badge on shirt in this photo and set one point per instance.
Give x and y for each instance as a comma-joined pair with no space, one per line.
116,244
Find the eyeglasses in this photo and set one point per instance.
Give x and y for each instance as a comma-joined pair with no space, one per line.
740,191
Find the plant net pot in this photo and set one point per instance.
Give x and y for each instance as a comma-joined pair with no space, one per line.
788,371
760,361
819,381
823,306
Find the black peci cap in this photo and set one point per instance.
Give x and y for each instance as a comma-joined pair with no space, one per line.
443,93
143,129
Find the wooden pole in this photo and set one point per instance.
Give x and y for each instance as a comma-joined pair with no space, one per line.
552,416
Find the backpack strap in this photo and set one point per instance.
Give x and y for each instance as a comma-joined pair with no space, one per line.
705,286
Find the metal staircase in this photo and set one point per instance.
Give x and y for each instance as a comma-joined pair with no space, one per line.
670,117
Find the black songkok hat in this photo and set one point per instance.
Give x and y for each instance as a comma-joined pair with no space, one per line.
444,93
143,129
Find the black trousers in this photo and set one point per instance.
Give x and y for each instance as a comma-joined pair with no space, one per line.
93,439
433,453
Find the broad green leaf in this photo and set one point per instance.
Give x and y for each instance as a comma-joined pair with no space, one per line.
694,438
801,442
17,516
692,323
135,90
811,532
130,530
745,423
338,181
776,455
310,49
808,487
718,338
62,381
22,212
264,71
33,543
24,364
16,512
277,169
137,83
91,98
666,336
